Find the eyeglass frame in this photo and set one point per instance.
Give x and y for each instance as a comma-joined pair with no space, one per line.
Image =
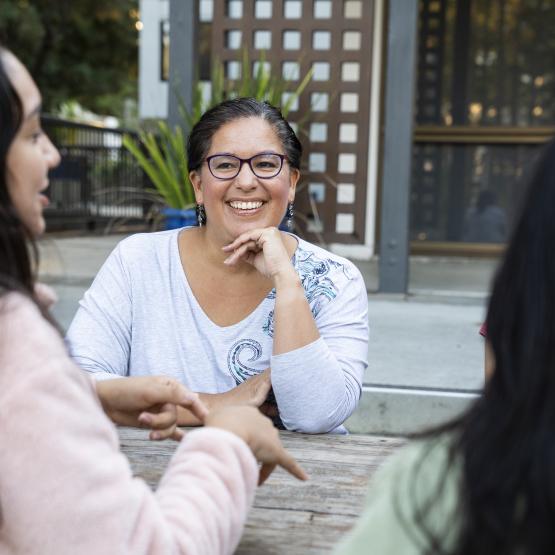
282,158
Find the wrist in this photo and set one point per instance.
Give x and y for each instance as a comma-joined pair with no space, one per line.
287,279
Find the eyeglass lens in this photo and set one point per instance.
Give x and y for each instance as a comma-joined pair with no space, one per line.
263,165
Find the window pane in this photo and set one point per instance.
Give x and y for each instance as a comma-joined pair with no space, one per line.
233,70
233,39
322,9
234,9
508,78
351,40
318,132
321,40
291,40
319,102
350,71
345,193
349,102
317,162
263,9
266,68
347,163
263,40
206,10
293,9
468,193
290,71
290,97
347,132
352,9
317,191
321,71
345,223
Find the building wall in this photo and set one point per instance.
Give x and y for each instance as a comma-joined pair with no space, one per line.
349,219
153,91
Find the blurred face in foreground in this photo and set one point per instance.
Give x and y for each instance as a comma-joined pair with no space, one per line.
31,154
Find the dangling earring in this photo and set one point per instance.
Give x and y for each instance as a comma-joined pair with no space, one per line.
201,215
289,215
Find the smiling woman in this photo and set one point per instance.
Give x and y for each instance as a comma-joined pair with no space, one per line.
235,309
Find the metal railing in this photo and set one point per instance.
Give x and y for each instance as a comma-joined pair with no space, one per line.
97,182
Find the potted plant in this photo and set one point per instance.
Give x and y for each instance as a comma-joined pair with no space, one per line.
163,158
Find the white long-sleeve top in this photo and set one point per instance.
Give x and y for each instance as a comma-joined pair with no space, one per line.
65,487
140,317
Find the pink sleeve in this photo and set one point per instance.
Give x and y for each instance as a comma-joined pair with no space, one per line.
483,330
65,488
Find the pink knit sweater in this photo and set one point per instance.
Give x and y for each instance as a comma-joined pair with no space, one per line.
65,488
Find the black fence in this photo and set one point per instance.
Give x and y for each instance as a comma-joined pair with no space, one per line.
98,182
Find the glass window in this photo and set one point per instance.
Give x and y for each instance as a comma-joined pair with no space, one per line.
345,193
263,40
349,102
351,40
290,71
467,192
206,10
233,70
348,132
352,9
509,76
233,39
319,101
290,98
265,67
263,9
234,9
345,223
293,9
322,9
321,71
350,71
317,192
318,132
291,40
347,163
321,40
317,162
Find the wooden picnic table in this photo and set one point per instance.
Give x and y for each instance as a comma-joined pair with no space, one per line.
291,517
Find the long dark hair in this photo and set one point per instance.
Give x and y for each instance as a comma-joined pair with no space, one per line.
18,253
506,441
201,135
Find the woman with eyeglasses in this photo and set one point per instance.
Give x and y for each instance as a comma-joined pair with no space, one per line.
235,309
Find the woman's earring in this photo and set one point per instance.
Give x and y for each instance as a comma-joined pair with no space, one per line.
201,215
289,215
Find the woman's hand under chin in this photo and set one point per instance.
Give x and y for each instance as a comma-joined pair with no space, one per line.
264,249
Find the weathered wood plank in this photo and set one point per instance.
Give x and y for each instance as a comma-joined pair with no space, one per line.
291,517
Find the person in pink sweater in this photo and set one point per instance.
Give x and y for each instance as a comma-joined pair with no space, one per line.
64,485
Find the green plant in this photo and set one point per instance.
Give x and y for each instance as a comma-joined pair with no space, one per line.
164,160
163,156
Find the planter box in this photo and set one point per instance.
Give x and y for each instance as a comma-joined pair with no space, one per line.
176,218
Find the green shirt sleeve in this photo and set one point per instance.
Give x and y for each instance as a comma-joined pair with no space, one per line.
411,478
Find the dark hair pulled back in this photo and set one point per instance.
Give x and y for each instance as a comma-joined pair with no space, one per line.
212,120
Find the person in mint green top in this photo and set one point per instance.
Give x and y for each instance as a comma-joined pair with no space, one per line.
484,484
